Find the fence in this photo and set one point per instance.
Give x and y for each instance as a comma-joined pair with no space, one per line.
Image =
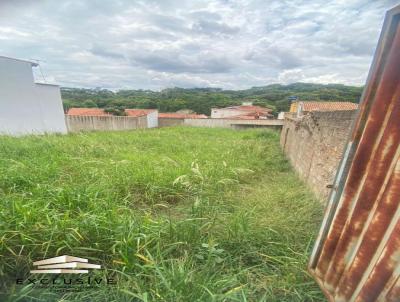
217,122
314,145
356,256
76,123
169,122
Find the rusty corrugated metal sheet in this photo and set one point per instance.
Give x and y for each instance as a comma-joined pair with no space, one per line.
357,253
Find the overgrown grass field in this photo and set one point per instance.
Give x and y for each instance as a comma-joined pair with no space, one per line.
173,214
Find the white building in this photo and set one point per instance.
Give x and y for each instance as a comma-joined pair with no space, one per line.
27,107
281,115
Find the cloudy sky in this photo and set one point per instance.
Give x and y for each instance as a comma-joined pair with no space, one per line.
154,44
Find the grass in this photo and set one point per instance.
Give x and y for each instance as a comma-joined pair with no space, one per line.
173,214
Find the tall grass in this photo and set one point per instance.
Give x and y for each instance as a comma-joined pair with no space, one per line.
177,214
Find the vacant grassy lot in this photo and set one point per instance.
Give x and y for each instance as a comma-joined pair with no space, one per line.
178,214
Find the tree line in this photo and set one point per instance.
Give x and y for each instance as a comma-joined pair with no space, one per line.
276,97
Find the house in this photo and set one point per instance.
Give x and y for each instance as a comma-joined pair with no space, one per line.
245,111
27,107
300,108
176,115
151,114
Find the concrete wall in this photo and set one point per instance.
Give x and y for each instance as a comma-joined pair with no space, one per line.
231,123
27,107
218,122
76,123
152,119
169,122
52,113
223,112
314,145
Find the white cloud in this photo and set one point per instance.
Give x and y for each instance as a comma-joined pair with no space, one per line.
191,43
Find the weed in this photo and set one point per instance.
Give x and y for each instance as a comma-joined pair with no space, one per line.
177,214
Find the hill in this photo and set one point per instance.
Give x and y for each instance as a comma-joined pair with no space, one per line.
201,100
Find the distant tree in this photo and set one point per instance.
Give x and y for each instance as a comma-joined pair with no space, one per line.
201,100
67,104
115,111
89,104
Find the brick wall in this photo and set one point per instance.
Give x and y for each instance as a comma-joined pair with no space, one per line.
314,145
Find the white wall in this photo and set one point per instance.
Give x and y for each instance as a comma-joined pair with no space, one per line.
300,107
52,112
229,123
26,107
281,115
152,119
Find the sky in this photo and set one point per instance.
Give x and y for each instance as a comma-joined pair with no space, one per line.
156,44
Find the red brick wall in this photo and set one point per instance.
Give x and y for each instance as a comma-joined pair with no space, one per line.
314,145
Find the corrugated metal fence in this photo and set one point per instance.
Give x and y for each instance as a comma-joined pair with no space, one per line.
357,254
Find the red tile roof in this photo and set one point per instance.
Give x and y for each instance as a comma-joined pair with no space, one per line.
328,106
249,108
251,116
101,112
180,115
138,112
87,111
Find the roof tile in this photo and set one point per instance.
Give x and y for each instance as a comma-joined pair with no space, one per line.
138,112
180,115
87,112
101,112
328,106
249,108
